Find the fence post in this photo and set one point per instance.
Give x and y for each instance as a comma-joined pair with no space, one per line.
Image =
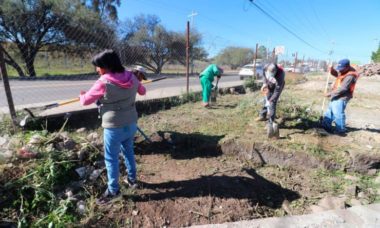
254,62
8,93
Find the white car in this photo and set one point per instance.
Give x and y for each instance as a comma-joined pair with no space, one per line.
247,70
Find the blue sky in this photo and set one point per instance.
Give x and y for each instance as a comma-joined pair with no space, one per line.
351,28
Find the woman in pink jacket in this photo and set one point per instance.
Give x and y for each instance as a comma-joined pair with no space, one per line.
115,93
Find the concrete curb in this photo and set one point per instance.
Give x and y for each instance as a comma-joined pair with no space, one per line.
357,216
151,95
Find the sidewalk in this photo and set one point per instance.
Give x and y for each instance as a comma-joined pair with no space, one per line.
357,216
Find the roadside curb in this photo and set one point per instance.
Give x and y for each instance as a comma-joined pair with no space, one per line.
357,216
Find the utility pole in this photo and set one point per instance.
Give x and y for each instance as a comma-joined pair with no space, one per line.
187,55
331,52
8,93
274,56
295,62
254,61
192,15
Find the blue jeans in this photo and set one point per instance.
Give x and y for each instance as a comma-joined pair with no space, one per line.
335,113
116,139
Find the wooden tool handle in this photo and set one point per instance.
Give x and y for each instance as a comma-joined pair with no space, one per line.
68,101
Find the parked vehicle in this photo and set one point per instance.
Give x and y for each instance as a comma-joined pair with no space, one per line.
247,70
301,69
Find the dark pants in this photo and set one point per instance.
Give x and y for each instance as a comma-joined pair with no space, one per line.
269,112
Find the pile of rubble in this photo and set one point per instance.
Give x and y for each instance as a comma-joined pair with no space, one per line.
369,70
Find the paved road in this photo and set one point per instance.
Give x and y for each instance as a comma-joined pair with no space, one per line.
26,93
41,92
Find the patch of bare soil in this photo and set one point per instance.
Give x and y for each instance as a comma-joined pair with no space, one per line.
228,170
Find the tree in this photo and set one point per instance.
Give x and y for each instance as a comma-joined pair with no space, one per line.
235,56
105,8
31,25
148,43
179,47
153,41
375,57
262,52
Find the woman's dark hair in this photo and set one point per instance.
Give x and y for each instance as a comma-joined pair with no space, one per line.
109,60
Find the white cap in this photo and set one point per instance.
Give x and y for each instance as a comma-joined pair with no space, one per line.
140,68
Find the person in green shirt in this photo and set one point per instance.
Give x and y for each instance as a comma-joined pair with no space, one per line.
206,78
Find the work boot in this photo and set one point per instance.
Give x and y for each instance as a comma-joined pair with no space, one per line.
260,118
341,134
131,184
107,197
205,104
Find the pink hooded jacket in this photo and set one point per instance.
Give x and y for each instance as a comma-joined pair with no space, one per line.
124,80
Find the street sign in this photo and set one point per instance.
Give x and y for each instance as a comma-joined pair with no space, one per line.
279,50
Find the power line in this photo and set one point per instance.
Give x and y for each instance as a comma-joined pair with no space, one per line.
284,27
299,26
319,20
203,17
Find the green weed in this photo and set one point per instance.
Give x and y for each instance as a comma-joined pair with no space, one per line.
251,84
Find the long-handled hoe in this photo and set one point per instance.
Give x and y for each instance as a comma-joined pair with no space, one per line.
35,111
32,111
324,98
214,92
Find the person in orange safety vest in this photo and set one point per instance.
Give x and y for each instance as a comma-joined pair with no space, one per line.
342,91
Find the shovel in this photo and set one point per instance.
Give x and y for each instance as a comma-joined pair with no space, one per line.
144,135
273,130
214,92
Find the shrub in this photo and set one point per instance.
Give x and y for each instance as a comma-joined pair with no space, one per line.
251,84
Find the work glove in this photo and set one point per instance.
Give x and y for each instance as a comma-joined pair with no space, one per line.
264,89
267,103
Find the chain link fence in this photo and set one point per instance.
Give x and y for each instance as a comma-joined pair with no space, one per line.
48,45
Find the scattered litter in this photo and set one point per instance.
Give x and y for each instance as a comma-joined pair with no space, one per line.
81,207
81,130
99,164
95,174
69,193
26,153
36,139
5,156
81,172
3,141
92,136
83,154
135,212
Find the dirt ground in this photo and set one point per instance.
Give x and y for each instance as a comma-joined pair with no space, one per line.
201,167
206,185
